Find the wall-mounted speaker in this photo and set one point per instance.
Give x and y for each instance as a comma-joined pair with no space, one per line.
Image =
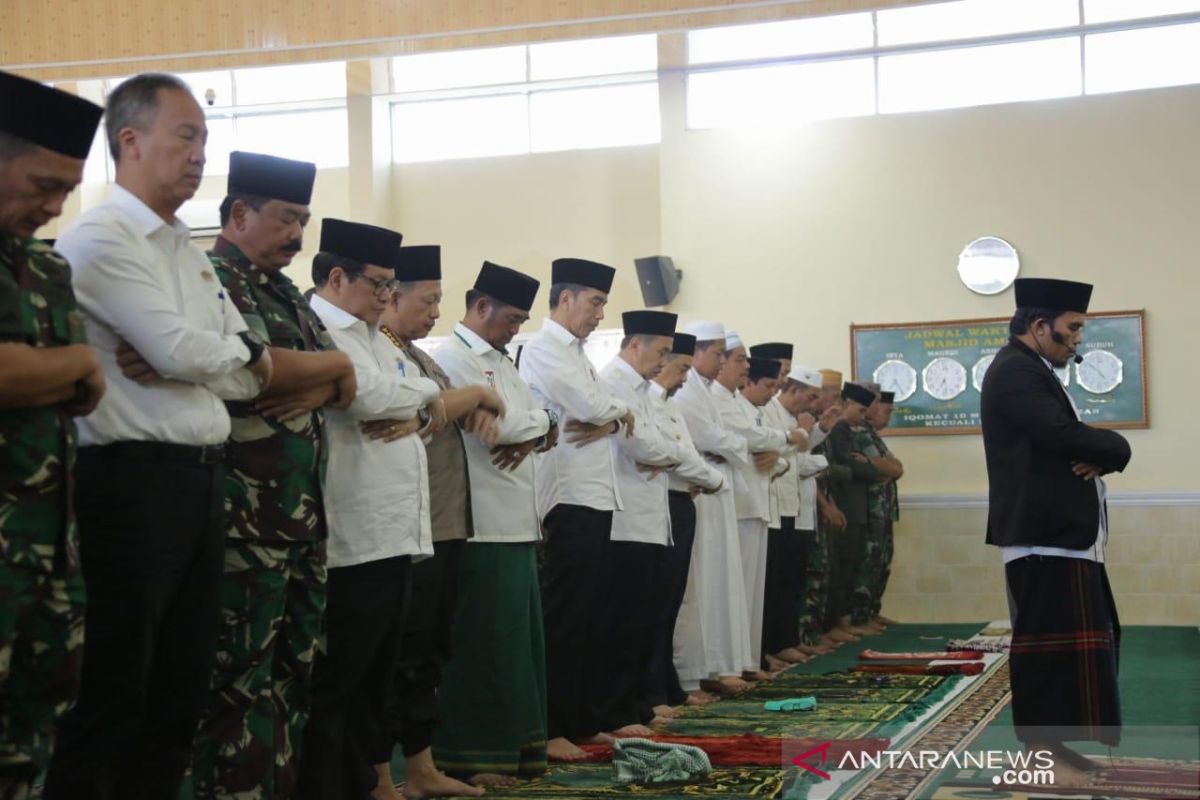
658,279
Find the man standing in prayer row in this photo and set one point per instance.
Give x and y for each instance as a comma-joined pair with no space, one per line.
879,415
273,591
693,476
48,376
577,495
1049,517
493,693
712,632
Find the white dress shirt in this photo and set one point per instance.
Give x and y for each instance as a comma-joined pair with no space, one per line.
785,489
140,279
693,469
376,493
644,515
1093,553
564,381
503,502
742,417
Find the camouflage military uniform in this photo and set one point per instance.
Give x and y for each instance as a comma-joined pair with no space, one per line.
41,587
885,511
818,573
273,594
851,481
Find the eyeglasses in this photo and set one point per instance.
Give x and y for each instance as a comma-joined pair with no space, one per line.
381,285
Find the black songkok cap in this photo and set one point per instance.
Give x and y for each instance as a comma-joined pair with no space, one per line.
763,368
582,272
887,397
649,323
421,262
1053,294
369,244
858,394
271,176
507,285
684,344
776,350
49,118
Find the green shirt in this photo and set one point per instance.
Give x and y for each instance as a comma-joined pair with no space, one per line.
275,469
37,445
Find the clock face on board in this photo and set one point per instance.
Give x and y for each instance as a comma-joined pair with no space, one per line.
1100,372
980,369
944,378
896,376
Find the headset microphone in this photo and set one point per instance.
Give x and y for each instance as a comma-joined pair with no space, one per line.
1060,339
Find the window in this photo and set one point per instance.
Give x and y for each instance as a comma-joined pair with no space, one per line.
980,75
318,136
593,57
781,39
604,116
1143,58
783,95
973,18
290,84
530,98
1096,11
430,71
468,128
221,142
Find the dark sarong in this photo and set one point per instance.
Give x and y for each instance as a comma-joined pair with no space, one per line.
787,561
1065,649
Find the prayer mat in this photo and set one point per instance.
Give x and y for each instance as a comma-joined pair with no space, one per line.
1124,777
751,749
802,683
996,630
960,655
980,645
575,781
968,668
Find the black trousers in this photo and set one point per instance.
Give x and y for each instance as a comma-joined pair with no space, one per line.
411,714
152,537
574,595
364,619
787,560
631,571
662,682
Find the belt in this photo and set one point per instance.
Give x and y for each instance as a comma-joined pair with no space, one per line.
163,451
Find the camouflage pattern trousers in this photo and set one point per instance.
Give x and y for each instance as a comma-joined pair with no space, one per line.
41,648
872,572
815,593
272,607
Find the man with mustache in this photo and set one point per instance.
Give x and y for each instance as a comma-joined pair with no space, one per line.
273,592
48,376
151,474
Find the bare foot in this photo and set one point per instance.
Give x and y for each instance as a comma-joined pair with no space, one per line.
666,712
437,784
828,640
658,722
815,650
386,791
793,655
725,685
858,630
699,699
839,635
492,779
885,621
776,664
632,730
562,749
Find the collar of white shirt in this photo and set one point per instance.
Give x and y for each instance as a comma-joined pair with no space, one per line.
474,342
143,216
560,334
333,316
628,374
658,390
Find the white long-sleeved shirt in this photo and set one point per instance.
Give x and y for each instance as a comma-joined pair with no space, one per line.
746,420
644,515
562,379
697,403
503,502
141,280
376,493
693,469
794,494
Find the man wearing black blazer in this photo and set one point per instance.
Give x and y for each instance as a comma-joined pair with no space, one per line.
1047,514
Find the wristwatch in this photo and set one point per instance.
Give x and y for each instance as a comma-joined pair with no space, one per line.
553,419
255,347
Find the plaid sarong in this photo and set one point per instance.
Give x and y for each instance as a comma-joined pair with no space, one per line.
1064,652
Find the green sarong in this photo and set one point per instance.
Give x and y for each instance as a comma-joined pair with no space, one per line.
492,699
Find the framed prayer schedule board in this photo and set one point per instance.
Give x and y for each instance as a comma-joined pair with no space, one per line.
936,370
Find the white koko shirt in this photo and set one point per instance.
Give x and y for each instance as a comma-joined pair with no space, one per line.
503,502
141,280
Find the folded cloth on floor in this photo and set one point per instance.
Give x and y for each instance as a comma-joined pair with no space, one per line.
978,645
962,655
646,762
968,668
791,704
